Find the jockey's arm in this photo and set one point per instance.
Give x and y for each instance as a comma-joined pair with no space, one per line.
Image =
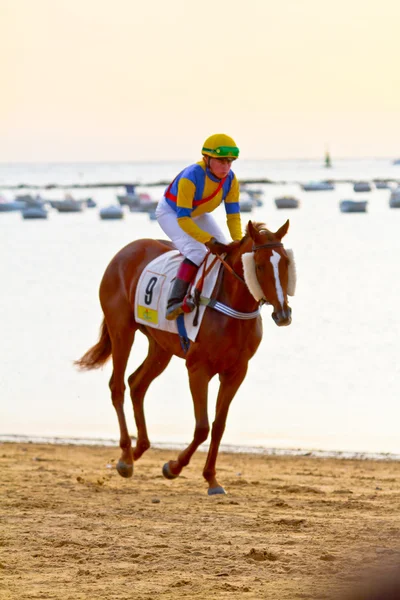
232,208
186,192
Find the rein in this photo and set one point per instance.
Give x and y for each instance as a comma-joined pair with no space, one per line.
230,269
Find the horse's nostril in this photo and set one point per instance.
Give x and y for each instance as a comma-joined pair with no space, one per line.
283,317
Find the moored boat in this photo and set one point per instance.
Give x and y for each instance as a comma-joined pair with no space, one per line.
20,202
381,184
90,203
394,200
146,203
130,198
246,202
362,186
68,205
34,212
287,202
111,212
10,205
351,206
317,186
256,194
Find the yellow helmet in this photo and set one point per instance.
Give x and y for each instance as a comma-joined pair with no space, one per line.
220,145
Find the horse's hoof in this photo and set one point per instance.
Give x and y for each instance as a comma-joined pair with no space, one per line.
167,472
216,490
124,470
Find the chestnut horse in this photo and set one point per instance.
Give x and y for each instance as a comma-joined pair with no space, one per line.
223,346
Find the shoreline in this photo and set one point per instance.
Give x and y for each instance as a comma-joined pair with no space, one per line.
224,448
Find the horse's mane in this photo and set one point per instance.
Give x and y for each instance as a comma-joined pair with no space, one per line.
259,226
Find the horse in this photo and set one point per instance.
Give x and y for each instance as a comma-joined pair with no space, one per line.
223,346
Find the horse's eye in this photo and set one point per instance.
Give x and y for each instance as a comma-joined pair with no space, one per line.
260,267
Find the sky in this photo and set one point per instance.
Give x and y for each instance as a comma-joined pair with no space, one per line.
110,80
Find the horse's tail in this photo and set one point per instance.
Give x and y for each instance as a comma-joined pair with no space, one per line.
98,355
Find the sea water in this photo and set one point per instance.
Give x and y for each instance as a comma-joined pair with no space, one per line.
330,381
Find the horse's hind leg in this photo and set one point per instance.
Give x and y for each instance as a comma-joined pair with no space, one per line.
122,335
156,361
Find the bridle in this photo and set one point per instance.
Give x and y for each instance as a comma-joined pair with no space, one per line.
254,248
268,245
217,305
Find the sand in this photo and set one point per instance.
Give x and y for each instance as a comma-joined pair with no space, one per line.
289,527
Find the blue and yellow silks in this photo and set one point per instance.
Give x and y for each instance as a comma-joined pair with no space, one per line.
192,194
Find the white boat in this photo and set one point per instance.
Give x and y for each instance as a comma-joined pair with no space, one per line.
287,202
111,212
146,203
317,186
394,200
246,202
130,198
351,206
362,186
256,194
68,205
10,205
380,184
20,202
90,203
34,212
29,200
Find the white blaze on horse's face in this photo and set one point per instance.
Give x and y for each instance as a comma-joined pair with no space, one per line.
275,258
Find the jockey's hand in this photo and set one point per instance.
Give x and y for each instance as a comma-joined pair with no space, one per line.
216,247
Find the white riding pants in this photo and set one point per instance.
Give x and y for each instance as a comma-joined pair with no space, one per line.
188,246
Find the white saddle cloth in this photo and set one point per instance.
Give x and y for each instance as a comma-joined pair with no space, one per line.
153,291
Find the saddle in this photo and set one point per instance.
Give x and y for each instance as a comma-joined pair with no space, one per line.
153,289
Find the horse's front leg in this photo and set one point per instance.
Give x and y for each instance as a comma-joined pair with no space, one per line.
198,381
230,382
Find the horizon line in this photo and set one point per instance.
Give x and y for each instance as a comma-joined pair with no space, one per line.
180,160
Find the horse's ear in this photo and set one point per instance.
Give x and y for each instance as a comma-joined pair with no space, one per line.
253,233
282,231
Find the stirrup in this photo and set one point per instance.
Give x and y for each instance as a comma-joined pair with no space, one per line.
185,306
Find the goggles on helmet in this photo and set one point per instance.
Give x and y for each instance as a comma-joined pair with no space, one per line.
222,152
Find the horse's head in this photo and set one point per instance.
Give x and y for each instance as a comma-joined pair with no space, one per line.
269,270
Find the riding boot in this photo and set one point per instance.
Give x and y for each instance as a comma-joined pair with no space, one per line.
177,302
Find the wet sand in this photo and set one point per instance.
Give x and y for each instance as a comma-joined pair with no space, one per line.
289,527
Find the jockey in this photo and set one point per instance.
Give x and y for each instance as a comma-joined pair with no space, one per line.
184,214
